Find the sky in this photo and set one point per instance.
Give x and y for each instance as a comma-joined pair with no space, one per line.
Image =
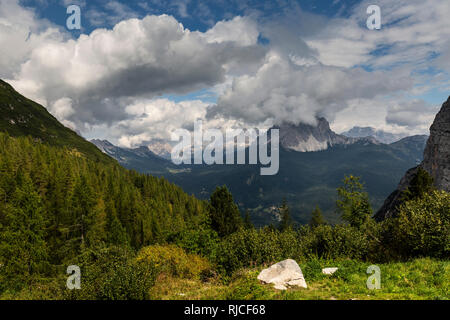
138,70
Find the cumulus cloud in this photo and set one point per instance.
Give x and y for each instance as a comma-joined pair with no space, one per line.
21,32
148,57
287,92
115,82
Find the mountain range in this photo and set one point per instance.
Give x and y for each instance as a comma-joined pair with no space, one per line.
313,161
380,135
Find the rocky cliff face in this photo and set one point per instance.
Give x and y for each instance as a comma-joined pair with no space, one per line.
436,162
437,152
307,138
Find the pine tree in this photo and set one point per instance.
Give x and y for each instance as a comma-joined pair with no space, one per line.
286,219
23,250
317,218
224,213
247,222
116,233
421,184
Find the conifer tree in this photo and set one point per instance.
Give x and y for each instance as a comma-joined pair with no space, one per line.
421,184
247,222
224,213
23,250
353,202
317,218
286,219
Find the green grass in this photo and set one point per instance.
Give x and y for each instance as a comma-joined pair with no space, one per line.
415,280
418,279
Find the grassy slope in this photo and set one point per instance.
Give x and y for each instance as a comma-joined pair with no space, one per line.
20,116
417,279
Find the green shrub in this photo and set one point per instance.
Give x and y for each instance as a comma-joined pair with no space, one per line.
113,274
174,261
203,242
334,242
251,247
422,227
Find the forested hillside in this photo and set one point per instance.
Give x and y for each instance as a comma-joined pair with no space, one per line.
23,117
55,202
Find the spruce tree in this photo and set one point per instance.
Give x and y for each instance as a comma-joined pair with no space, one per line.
224,213
23,250
421,184
286,219
247,222
317,218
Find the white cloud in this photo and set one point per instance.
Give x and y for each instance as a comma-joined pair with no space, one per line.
412,114
391,114
411,30
111,81
286,92
21,32
148,57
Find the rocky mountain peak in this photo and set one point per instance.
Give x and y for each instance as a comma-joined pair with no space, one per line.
306,138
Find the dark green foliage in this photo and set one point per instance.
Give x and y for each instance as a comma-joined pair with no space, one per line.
23,251
55,203
286,219
421,184
247,221
224,213
112,274
317,218
253,247
422,227
250,248
353,202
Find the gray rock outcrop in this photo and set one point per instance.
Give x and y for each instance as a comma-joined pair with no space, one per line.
436,162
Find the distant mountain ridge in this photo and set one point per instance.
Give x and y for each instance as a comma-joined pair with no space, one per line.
305,179
142,158
380,135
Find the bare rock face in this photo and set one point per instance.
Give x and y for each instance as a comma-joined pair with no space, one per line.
284,274
308,138
436,162
437,152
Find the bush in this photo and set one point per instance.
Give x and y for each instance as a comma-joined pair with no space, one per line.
174,261
112,274
203,242
334,242
251,247
422,227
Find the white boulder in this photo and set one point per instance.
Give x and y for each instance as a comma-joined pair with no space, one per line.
283,274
